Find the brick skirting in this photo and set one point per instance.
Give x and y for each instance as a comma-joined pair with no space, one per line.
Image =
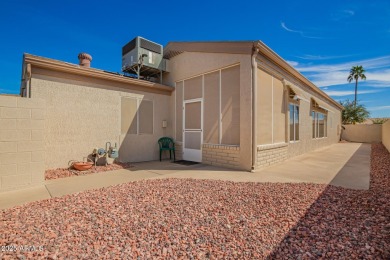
271,154
221,155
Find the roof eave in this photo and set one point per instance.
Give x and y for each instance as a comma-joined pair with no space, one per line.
61,66
268,52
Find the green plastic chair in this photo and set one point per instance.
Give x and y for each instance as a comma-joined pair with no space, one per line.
167,144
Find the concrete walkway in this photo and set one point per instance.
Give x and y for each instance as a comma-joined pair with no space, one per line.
345,164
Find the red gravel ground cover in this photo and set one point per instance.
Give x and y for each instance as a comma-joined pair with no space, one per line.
65,172
201,219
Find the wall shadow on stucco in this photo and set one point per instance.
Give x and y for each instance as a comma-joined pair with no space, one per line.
342,223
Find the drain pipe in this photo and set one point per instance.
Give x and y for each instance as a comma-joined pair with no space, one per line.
254,106
286,109
27,78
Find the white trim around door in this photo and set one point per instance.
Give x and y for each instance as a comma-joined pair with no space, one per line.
193,136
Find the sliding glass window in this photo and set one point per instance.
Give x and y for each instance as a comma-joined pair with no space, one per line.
319,124
294,122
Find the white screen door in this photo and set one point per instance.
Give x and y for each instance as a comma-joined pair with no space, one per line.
192,130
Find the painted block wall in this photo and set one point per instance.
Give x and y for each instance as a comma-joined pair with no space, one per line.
84,113
362,133
22,148
221,155
386,135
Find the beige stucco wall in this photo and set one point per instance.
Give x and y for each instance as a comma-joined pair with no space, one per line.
386,134
84,113
22,123
276,151
306,142
191,64
362,133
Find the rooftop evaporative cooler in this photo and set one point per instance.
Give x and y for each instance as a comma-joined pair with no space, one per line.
143,58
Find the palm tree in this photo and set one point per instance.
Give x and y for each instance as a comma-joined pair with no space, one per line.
356,73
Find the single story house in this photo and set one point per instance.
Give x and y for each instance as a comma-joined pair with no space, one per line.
233,104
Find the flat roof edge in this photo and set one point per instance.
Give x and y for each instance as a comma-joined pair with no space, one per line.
51,64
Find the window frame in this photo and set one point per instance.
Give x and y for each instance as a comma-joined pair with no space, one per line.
137,117
316,124
295,106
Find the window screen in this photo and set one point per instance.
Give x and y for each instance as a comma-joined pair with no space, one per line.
128,115
193,115
179,111
264,107
294,122
313,116
193,88
193,140
319,124
211,108
230,105
146,117
279,116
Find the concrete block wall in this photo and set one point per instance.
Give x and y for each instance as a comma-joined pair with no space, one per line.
386,134
221,155
362,133
85,113
271,154
22,147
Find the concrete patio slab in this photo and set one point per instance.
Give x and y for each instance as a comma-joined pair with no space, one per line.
339,164
343,164
163,167
14,198
356,171
64,186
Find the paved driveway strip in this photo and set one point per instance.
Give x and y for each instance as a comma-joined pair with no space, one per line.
343,164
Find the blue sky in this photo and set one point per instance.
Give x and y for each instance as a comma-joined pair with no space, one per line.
321,39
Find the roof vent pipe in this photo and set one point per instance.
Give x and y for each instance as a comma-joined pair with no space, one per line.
85,59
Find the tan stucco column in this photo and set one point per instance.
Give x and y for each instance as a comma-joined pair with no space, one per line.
254,108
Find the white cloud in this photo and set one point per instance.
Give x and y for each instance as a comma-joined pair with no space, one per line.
377,72
288,29
292,63
366,101
379,77
329,78
341,93
342,14
379,84
374,63
378,108
349,12
303,34
319,57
